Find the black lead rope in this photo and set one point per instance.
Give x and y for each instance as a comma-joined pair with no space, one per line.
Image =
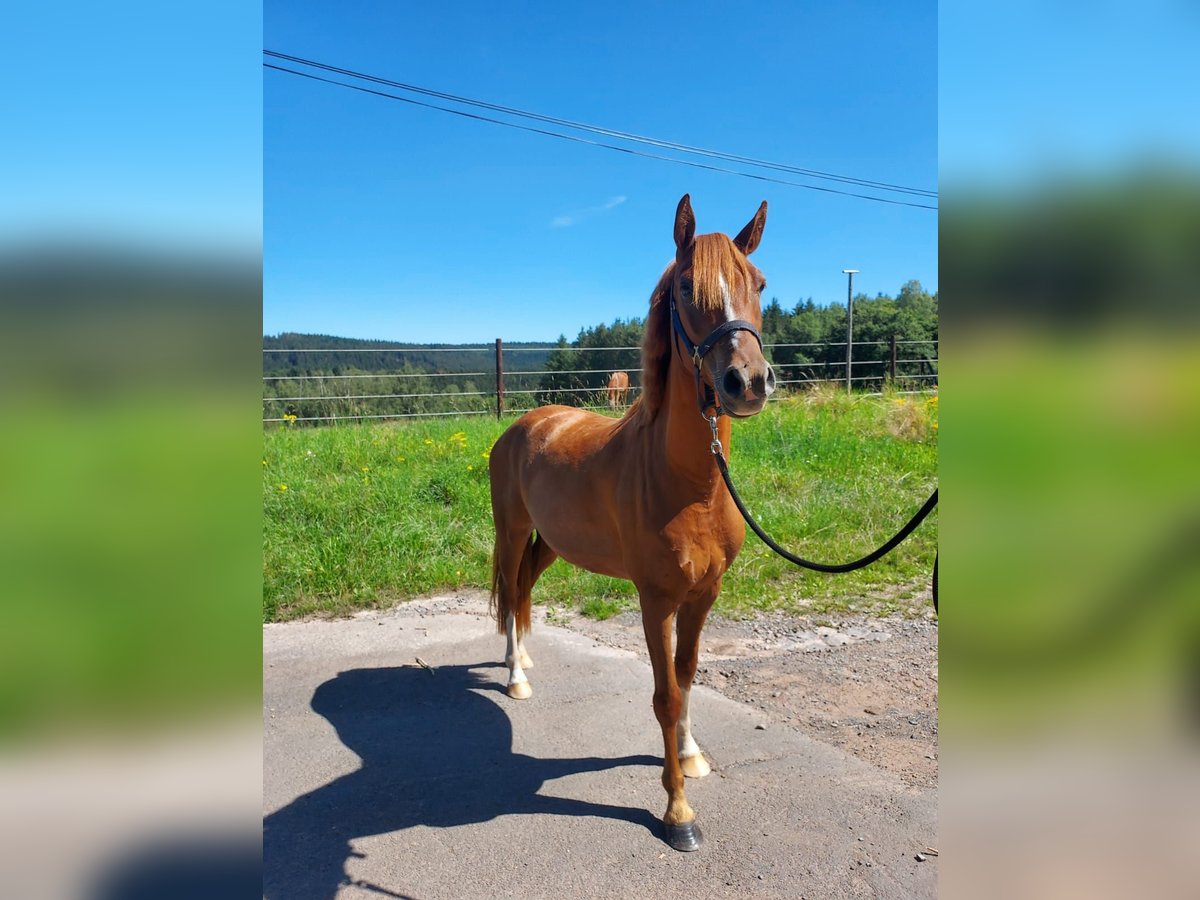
697,354
865,561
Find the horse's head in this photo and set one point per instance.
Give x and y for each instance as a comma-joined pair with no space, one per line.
717,295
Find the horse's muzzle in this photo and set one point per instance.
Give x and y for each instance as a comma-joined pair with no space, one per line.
744,389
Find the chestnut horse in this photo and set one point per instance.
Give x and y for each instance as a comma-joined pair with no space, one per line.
618,389
640,497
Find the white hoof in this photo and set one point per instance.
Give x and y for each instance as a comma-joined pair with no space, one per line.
695,766
520,690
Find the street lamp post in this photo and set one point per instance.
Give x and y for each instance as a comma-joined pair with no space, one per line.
849,319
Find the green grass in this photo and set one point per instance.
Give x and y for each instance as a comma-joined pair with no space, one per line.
376,513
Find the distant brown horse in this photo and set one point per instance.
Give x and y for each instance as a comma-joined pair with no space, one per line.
618,389
640,497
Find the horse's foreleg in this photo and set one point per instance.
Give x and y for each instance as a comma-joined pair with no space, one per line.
690,621
679,819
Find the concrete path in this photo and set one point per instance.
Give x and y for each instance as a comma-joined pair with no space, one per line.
384,779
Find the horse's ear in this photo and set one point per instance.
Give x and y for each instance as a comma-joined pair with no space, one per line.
748,239
685,224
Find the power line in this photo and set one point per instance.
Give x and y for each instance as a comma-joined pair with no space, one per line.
608,132
581,140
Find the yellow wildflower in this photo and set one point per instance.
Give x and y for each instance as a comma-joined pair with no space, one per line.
428,441
470,468
366,468
283,487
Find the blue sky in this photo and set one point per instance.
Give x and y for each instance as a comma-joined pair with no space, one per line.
387,221
1037,92
382,221
132,122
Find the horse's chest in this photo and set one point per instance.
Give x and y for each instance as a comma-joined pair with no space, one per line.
703,543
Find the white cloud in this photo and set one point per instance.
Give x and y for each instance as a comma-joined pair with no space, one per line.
575,216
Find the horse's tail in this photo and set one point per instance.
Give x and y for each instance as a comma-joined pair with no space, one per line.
498,605
515,598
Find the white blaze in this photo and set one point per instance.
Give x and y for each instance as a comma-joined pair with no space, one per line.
727,302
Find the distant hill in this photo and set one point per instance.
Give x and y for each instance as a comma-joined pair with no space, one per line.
351,355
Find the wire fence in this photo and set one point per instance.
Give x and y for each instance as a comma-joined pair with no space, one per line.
316,385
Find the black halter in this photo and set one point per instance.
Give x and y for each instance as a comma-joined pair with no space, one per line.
705,395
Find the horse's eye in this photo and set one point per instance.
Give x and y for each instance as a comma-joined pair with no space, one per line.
762,287
685,288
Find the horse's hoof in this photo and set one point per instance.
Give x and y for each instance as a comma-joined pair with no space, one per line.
684,838
695,766
520,690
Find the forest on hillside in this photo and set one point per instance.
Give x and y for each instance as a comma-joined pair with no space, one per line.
324,376
805,343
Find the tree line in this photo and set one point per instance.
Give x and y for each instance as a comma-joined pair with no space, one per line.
805,343
381,378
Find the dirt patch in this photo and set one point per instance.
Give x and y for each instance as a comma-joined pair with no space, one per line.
866,685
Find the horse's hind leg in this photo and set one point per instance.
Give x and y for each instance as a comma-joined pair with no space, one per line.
688,624
517,661
520,558
537,557
516,654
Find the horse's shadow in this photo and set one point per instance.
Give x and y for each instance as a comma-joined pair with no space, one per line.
434,752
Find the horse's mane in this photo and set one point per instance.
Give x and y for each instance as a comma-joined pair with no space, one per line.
656,350
713,256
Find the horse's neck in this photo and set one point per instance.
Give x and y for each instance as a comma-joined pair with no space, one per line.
687,434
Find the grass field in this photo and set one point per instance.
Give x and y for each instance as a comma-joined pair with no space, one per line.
362,516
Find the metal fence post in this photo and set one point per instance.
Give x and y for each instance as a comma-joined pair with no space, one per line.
849,320
893,365
499,379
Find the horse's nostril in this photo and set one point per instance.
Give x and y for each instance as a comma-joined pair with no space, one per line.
732,383
770,380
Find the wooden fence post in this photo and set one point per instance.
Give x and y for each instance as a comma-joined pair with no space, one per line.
499,378
893,366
